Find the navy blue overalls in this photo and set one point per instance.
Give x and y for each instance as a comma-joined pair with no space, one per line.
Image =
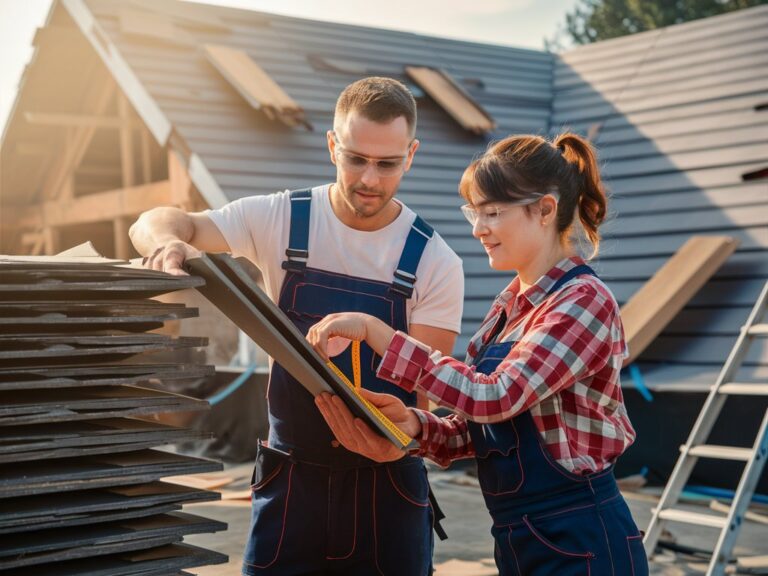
546,520
317,507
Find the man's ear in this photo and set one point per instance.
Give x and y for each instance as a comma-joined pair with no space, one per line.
331,145
411,153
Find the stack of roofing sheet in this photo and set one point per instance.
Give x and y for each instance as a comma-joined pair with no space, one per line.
76,443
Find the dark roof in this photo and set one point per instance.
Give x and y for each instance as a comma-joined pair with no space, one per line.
673,110
679,128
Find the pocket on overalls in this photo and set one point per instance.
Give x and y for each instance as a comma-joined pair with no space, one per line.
403,520
410,483
623,536
270,486
499,468
637,558
269,463
563,544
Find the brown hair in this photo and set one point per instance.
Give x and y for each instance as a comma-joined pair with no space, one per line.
528,167
378,99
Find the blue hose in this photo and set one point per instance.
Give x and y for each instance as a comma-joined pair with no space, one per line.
232,386
723,493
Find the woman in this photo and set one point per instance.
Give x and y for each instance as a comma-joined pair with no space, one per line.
538,402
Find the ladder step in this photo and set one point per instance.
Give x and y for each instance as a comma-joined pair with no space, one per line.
696,518
743,389
720,452
758,330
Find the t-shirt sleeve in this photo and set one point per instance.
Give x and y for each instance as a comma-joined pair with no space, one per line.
248,224
441,296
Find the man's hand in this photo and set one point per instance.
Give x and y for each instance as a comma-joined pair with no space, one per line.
170,257
357,436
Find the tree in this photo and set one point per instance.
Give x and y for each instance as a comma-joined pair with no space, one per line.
595,20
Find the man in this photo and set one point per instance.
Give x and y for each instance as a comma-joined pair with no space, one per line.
346,246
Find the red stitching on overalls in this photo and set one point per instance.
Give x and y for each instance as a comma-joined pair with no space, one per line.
375,531
282,533
514,554
405,496
519,463
607,542
334,288
541,539
563,511
629,549
265,481
354,530
617,495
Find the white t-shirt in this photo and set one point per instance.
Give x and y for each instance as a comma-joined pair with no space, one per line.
258,228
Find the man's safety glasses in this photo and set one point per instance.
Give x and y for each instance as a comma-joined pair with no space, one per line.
358,163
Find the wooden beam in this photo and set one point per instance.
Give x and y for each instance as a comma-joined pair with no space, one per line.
52,240
75,120
146,155
126,141
54,37
31,149
181,183
72,155
122,242
102,206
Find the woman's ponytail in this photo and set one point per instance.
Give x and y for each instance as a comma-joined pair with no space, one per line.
592,201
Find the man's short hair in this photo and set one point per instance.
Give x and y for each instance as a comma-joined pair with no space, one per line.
379,100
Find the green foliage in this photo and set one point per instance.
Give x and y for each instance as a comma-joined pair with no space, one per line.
595,20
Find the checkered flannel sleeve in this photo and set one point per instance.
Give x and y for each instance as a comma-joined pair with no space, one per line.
573,338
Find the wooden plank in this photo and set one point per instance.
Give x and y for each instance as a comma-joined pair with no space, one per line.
452,98
91,208
667,292
251,81
73,120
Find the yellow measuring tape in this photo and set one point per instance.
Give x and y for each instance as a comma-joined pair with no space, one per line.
401,436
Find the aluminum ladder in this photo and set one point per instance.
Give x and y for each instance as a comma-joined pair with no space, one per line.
696,447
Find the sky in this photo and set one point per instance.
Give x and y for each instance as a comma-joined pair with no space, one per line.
521,23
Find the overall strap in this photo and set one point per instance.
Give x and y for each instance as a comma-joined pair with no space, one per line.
405,275
570,275
298,241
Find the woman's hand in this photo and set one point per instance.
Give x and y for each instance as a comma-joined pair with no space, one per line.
357,436
352,326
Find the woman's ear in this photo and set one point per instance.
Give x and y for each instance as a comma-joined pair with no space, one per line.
548,209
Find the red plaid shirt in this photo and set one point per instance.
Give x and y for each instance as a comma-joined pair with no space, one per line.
563,368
